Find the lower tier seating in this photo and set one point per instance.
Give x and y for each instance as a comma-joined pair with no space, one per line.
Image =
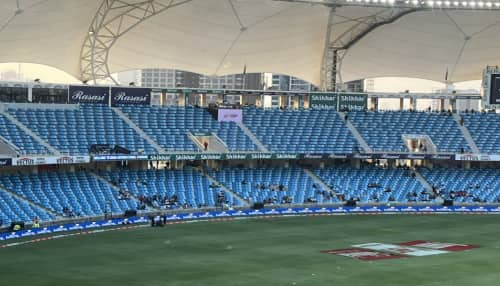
373,184
169,188
83,193
473,185
14,209
67,193
270,185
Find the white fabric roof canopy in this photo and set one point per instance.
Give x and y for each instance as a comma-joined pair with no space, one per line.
216,37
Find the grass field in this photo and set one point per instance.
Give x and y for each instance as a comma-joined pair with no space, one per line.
278,251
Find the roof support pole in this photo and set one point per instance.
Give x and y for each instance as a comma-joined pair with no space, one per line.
113,19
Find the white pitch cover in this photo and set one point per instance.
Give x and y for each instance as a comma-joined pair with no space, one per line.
399,249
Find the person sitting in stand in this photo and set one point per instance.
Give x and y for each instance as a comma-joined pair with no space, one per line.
36,223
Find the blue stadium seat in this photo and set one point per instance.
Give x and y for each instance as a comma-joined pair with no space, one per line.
475,185
485,130
383,130
14,209
18,137
169,126
302,131
192,190
81,192
73,131
248,184
371,184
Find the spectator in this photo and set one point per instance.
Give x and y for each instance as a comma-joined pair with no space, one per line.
36,223
205,144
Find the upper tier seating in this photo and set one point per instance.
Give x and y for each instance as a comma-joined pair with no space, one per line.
254,185
354,183
73,131
18,137
14,209
383,130
481,185
304,131
485,130
189,186
168,126
81,192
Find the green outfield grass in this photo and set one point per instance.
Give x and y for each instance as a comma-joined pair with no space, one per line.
278,251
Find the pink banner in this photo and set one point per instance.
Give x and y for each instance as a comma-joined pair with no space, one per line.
235,115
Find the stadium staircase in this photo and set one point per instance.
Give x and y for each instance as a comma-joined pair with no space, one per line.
319,181
215,144
7,148
355,133
117,189
483,127
31,203
252,137
466,134
139,131
223,187
29,132
422,180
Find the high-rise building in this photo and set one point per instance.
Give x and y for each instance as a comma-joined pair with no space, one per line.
354,86
286,82
159,78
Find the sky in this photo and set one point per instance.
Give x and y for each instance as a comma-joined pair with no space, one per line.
9,72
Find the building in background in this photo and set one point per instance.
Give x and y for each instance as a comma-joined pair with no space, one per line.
286,82
354,86
168,78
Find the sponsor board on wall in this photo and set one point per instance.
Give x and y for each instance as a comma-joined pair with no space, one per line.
422,245
130,96
50,160
233,115
353,101
5,162
88,94
324,101
477,157
262,155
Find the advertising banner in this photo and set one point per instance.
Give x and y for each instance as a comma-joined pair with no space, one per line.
88,94
353,101
234,115
130,96
324,101
50,160
5,162
283,211
477,157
